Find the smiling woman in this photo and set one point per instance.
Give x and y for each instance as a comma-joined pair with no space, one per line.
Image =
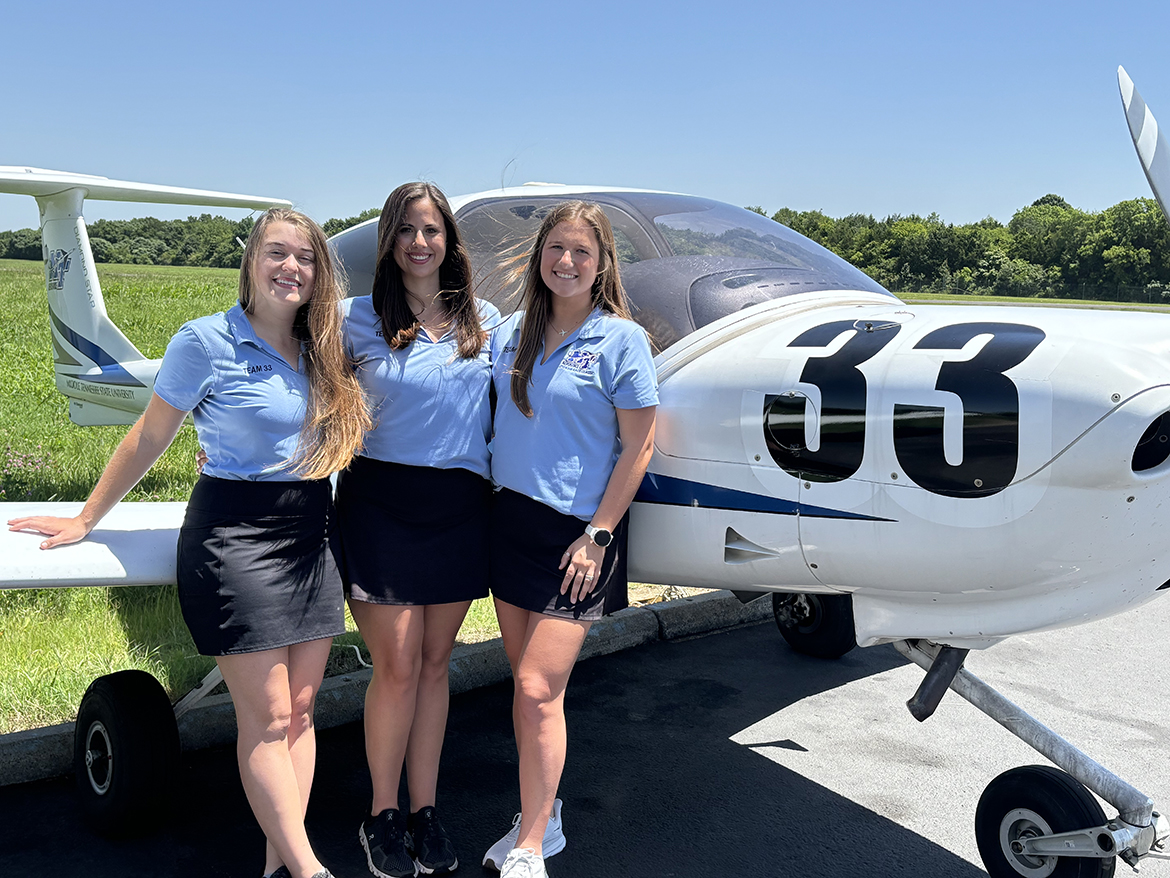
574,432
264,598
413,510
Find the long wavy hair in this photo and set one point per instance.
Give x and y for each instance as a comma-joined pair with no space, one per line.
606,293
399,325
337,416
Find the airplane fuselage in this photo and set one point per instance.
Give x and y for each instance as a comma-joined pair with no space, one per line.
966,473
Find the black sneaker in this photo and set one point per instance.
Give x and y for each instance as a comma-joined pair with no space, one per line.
386,842
433,851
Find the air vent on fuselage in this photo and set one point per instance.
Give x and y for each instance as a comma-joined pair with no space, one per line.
1154,447
738,549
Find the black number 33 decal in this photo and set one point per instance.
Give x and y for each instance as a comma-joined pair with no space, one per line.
991,409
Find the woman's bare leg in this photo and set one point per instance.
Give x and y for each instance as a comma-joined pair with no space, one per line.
425,746
394,636
273,692
542,651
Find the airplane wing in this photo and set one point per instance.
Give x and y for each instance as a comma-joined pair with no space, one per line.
133,545
42,183
1151,146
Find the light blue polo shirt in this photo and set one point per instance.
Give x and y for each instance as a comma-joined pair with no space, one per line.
430,406
564,454
248,404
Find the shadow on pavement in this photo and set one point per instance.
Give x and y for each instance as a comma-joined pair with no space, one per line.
653,786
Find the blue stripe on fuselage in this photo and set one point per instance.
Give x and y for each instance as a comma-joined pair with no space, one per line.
112,370
669,491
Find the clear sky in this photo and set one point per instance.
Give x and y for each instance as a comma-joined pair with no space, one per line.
965,109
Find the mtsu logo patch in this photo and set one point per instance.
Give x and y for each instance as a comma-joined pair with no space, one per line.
581,362
55,268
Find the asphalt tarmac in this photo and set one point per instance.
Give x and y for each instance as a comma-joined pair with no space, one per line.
720,755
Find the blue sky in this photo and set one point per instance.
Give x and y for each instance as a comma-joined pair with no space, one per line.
970,110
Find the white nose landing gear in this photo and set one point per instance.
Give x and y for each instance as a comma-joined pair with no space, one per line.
1037,821
1030,820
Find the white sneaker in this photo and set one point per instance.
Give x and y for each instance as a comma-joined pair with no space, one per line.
523,863
553,842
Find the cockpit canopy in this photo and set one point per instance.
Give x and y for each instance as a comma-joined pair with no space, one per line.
685,261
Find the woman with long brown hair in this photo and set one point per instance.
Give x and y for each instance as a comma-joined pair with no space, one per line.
574,432
277,408
413,510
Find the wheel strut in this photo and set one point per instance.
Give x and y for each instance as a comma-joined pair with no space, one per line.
1139,831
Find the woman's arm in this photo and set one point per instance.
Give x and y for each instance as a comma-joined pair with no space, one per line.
144,444
583,558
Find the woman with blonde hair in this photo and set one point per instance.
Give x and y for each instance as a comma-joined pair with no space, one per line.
574,432
277,408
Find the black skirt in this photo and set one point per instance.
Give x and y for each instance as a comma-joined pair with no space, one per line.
413,535
257,566
528,541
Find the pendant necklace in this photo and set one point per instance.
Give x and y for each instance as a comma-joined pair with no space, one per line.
563,332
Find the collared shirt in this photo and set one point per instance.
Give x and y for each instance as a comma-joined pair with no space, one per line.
430,406
564,454
248,404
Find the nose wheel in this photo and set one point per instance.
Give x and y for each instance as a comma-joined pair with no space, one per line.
1029,803
1037,820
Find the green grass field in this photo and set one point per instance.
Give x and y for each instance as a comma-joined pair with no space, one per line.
53,643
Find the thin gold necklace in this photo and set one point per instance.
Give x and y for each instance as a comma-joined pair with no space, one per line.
563,332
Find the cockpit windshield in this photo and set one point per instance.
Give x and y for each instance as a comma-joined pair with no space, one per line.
720,230
685,261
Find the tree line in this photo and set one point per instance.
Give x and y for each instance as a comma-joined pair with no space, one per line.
1047,249
206,240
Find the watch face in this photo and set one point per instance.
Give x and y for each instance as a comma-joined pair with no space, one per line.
602,537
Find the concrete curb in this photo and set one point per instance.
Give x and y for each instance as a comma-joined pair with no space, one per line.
38,754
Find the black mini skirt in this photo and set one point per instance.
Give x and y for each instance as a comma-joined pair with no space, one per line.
257,565
413,535
528,540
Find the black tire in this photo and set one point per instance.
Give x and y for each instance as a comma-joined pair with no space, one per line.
1030,801
125,751
820,625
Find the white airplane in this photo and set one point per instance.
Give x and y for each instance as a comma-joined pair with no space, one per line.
936,477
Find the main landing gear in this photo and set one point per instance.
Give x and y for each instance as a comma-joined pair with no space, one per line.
820,625
126,748
1037,821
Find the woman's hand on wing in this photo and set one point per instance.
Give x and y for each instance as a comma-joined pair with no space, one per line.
582,565
60,531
